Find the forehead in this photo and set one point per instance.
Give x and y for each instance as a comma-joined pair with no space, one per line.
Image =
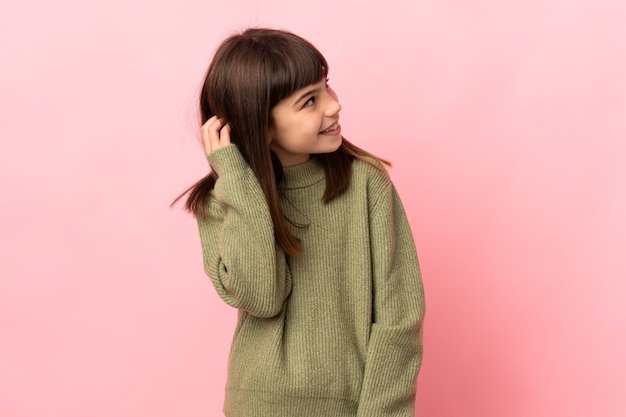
289,73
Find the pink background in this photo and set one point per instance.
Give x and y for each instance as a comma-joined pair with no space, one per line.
506,122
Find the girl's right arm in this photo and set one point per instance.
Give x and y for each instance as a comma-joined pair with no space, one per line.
247,266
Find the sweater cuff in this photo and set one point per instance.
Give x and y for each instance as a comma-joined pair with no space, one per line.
227,159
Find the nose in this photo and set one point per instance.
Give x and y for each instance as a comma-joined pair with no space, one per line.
333,107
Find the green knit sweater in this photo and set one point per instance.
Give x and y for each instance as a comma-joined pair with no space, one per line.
335,331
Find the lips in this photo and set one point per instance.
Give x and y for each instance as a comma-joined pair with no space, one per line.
332,127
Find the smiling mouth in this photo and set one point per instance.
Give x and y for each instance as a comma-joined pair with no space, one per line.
334,126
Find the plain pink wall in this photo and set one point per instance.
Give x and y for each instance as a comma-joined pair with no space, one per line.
506,122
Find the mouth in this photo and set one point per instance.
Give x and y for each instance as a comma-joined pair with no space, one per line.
331,128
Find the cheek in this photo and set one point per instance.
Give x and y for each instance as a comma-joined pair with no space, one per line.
282,129
294,127
278,125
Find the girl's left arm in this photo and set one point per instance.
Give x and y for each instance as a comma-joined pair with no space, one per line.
394,353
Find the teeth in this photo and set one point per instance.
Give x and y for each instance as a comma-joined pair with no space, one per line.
333,127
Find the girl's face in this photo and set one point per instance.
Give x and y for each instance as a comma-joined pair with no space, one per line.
305,123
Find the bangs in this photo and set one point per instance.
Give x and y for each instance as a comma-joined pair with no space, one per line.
294,64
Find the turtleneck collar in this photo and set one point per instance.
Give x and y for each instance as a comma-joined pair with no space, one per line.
302,175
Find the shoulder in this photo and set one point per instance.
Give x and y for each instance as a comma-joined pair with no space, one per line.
370,172
371,181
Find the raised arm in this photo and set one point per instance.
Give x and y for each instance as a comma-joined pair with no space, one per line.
247,267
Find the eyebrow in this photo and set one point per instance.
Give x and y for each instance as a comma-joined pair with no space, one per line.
305,95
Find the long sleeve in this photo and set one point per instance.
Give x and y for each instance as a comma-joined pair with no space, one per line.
394,352
243,260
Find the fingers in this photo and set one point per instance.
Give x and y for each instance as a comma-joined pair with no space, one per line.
215,135
210,134
225,135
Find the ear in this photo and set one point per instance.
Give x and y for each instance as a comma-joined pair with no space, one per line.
271,131
269,137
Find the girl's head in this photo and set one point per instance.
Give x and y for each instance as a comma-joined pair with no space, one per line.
251,73
270,86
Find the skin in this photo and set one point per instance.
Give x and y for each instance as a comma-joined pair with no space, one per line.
214,135
298,122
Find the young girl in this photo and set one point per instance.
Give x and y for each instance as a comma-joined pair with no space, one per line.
305,235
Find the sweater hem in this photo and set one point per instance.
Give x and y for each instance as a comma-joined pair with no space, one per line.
253,403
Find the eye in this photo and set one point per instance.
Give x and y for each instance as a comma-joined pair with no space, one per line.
309,102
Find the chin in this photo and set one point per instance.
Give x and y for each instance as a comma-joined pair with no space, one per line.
331,147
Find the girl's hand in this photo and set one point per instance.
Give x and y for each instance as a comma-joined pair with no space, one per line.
215,135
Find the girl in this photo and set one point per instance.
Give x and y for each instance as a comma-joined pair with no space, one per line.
305,235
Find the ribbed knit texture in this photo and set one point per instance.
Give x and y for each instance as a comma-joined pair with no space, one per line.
335,331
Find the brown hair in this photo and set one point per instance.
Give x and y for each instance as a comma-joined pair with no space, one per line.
250,73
